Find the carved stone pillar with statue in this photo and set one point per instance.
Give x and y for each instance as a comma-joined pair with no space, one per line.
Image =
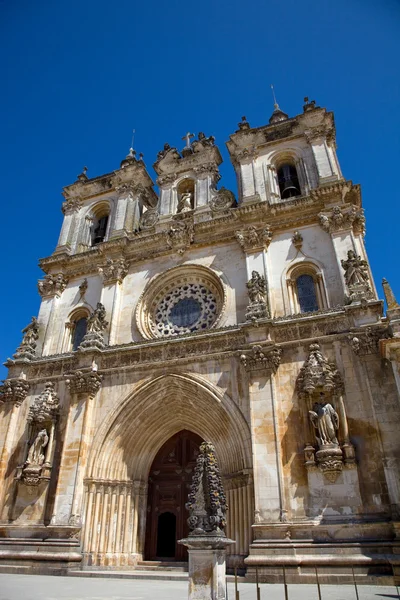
329,453
207,541
33,475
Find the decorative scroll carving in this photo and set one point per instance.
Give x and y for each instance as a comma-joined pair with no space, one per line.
96,325
318,383
356,277
114,270
52,284
149,218
222,201
253,239
13,390
259,358
206,502
257,290
339,219
27,348
84,383
180,235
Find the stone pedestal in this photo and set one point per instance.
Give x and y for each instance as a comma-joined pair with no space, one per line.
207,577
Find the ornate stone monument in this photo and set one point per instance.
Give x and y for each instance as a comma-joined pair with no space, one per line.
207,541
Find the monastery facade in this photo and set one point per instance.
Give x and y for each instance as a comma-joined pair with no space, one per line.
248,320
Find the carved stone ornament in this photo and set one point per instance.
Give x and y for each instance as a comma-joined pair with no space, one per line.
71,205
318,383
357,278
52,284
254,239
222,201
206,502
46,407
27,348
165,180
96,324
297,240
83,288
257,290
259,358
14,390
180,235
149,218
84,383
339,219
367,341
114,270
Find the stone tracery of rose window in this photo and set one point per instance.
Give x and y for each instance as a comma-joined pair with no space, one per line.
186,299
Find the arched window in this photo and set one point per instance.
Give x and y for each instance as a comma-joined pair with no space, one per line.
99,230
78,332
306,289
288,181
306,293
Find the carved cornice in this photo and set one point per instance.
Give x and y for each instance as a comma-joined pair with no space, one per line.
14,391
261,358
88,382
52,285
339,219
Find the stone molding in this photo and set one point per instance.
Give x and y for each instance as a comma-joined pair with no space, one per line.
81,382
14,391
261,358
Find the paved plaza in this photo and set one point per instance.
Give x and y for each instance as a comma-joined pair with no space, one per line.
39,587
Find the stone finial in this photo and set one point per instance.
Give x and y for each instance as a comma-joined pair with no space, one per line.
96,325
27,348
389,295
52,285
259,358
84,382
206,502
244,125
46,406
14,390
356,277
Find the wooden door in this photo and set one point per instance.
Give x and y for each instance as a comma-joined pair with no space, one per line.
169,482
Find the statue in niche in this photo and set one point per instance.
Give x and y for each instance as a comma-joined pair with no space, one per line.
257,288
36,454
326,422
185,202
356,269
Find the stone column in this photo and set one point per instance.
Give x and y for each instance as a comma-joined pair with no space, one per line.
83,387
113,272
71,208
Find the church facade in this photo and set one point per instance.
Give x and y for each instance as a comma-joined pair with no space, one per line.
252,322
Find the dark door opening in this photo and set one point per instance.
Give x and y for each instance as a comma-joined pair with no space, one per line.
166,535
170,478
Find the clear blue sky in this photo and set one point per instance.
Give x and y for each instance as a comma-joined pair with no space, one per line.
80,75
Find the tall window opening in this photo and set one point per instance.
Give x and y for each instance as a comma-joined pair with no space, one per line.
99,230
79,332
306,293
288,181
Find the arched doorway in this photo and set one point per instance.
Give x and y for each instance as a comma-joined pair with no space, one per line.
169,482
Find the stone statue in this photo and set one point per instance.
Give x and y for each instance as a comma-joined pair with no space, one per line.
31,333
185,202
97,320
257,287
356,269
326,421
35,454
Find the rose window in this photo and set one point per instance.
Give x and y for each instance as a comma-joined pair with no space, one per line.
186,299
